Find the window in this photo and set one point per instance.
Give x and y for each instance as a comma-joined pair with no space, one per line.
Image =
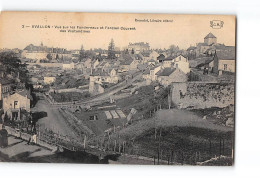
225,67
93,118
15,104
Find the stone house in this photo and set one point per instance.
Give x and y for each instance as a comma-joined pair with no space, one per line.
154,55
13,104
168,62
182,63
104,75
129,64
167,76
224,61
150,74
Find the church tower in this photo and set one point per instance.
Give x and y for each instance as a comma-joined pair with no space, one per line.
210,39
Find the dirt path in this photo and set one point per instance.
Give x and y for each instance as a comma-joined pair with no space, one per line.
54,120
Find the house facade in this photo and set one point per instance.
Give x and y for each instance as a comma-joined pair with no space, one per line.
129,64
168,62
16,101
225,60
167,76
108,76
182,63
154,55
150,74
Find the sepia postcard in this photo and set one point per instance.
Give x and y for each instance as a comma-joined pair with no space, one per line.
117,88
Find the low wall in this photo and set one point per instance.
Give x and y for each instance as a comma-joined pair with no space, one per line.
26,137
201,95
46,64
80,89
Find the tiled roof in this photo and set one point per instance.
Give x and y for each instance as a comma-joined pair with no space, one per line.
127,60
200,61
165,71
25,93
161,57
210,35
223,47
145,54
170,58
226,54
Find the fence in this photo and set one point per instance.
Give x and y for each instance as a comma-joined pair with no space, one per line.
162,152
27,137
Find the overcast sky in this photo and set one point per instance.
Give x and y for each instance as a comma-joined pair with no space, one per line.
184,30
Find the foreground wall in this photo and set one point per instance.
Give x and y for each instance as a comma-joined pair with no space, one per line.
201,95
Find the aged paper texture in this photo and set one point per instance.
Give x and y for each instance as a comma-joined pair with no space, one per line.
114,88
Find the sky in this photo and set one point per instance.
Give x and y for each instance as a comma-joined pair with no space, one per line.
183,30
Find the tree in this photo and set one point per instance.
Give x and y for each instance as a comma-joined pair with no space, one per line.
13,65
49,57
133,52
111,50
173,49
57,57
81,53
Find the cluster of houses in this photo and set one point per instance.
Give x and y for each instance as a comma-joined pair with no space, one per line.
212,56
208,57
167,70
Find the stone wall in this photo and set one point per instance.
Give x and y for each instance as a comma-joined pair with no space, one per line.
199,95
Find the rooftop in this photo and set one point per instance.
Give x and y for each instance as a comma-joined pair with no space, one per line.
200,61
210,35
226,54
165,71
105,119
41,48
